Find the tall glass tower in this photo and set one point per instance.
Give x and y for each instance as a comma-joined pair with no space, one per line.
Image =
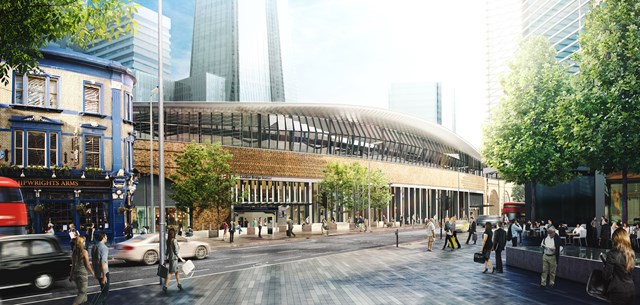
420,100
246,43
560,21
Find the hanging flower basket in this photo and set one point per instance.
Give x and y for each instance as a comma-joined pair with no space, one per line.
38,208
80,208
121,210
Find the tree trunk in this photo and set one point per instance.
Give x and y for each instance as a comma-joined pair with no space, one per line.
625,171
533,201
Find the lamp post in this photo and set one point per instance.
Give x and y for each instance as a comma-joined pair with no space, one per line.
153,208
369,182
161,135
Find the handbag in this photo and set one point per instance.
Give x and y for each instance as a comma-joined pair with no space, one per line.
187,268
474,237
596,285
478,258
163,271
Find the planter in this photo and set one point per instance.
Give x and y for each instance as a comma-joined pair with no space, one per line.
38,208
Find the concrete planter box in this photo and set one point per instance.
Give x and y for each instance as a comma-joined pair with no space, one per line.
252,231
297,228
282,229
316,228
342,227
307,228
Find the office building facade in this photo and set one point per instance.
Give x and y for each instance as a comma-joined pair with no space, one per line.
246,43
420,100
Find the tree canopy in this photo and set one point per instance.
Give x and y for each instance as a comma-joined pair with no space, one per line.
604,115
345,186
203,179
521,140
28,25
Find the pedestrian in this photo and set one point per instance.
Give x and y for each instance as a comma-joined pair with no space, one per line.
448,235
260,227
73,234
290,228
472,231
505,218
550,257
487,245
80,269
232,230
453,231
189,232
100,265
239,228
173,254
515,232
324,227
127,231
618,270
431,233
50,230
605,233
225,226
499,242
180,230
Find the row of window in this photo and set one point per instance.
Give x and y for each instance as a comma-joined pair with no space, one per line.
43,91
40,148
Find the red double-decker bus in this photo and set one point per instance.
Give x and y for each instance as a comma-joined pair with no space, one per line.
515,210
13,210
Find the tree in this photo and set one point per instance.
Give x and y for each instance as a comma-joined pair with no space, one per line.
520,140
28,25
517,193
345,185
203,179
606,110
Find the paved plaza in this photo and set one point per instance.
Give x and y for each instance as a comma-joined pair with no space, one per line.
380,275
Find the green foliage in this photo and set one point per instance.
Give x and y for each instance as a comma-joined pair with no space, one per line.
604,115
521,140
203,179
28,25
517,193
345,185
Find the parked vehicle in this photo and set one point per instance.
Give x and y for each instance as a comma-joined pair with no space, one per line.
493,219
35,259
145,249
462,225
13,210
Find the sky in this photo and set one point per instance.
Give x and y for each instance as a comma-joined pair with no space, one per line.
350,51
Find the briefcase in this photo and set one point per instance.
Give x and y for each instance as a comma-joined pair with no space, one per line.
478,258
163,271
596,285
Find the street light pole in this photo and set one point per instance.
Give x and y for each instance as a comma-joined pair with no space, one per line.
153,208
369,182
161,134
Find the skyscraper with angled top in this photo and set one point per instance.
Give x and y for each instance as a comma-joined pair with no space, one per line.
244,42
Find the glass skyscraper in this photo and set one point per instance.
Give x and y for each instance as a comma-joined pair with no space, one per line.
560,21
420,100
245,42
139,51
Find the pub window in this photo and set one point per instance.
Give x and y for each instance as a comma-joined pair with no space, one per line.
92,150
128,107
92,98
53,149
36,91
18,148
36,148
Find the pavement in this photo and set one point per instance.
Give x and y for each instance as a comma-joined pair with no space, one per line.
384,274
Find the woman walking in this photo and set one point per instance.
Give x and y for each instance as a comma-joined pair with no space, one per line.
487,245
618,269
80,269
172,258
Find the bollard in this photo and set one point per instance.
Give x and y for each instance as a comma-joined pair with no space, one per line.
396,238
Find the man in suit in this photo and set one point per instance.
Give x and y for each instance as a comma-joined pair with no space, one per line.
499,242
472,231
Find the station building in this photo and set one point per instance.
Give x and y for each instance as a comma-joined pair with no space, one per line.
281,149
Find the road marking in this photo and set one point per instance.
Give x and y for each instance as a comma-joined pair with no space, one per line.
200,270
252,255
29,296
231,266
286,258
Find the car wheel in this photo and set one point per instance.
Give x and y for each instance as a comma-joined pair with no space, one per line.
201,252
150,257
43,281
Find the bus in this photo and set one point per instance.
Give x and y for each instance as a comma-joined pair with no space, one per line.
13,210
514,210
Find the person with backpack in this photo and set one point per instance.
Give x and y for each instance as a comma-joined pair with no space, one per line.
100,265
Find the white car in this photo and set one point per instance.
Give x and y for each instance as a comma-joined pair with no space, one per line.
144,248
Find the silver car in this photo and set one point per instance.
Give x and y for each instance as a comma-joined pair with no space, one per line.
144,248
